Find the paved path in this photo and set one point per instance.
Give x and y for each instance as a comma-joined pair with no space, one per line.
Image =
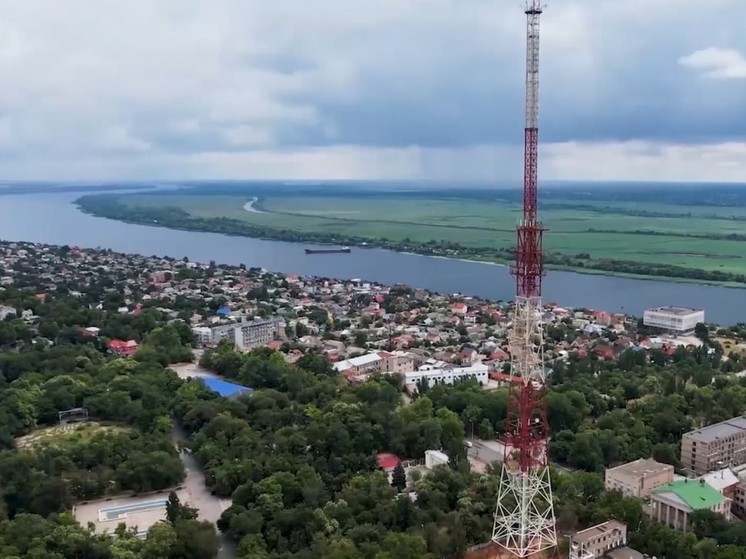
209,506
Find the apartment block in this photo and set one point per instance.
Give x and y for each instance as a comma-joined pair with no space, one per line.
597,541
715,447
638,478
244,335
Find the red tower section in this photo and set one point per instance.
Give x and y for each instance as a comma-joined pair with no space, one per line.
524,519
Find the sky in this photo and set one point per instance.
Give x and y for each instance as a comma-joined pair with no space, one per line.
369,89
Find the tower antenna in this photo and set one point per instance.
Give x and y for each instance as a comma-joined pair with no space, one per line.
524,517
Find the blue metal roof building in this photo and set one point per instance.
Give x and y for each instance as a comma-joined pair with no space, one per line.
225,388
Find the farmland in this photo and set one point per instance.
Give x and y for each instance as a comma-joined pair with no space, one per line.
683,231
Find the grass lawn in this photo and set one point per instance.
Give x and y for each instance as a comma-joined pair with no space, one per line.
491,223
70,433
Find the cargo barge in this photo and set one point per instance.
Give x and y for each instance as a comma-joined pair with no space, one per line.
341,250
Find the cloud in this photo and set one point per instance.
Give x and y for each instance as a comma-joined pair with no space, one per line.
361,88
717,63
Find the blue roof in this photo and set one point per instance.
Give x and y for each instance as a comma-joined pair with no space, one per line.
224,311
225,388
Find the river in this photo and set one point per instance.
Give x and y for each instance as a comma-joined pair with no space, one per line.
52,218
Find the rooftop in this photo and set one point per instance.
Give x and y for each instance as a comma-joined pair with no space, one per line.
697,495
678,311
594,532
727,428
641,468
224,388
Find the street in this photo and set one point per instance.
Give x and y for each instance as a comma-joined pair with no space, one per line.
209,506
482,453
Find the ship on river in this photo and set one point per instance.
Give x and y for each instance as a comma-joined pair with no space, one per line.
340,250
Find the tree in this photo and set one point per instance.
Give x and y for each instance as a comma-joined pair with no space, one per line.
399,478
175,511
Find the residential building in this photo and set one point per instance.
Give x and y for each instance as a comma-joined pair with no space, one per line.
122,348
244,335
202,336
447,375
675,319
672,504
251,334
595,542
715,447
638,478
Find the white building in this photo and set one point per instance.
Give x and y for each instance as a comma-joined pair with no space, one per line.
447,375
244,335
6,311
434,458
676,319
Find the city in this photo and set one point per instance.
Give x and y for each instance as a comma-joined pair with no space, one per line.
377,321
439,360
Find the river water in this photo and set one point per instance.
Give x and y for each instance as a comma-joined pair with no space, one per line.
52,218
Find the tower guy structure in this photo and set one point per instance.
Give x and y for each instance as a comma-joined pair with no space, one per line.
524,519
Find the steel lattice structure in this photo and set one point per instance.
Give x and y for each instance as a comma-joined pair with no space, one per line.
524,519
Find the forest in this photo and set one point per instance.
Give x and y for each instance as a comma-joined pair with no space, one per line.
297,457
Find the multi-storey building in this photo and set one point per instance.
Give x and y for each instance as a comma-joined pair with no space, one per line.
595,542
715,447
674,319
672,504
251,334
244,335
638,478
378,362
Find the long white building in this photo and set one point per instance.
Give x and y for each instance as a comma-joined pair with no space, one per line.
675,319
447,375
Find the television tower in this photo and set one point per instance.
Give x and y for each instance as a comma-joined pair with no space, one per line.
524,519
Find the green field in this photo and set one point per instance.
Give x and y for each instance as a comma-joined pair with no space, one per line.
491,223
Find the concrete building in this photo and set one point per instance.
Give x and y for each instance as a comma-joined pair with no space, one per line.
638,478
595,542
739,495
673,503
674,319
447,375
434,458
715,447
251,334
378,362
244,335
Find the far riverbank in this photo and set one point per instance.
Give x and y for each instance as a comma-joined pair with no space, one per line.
108,206
54,219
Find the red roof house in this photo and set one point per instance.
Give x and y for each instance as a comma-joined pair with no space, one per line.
122,348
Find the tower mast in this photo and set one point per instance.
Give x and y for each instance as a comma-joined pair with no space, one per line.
524,518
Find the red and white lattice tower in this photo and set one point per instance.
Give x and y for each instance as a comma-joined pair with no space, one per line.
524,520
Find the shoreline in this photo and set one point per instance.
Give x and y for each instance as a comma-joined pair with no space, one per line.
371,246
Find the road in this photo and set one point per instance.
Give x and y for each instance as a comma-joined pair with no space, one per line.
208,505
486,452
